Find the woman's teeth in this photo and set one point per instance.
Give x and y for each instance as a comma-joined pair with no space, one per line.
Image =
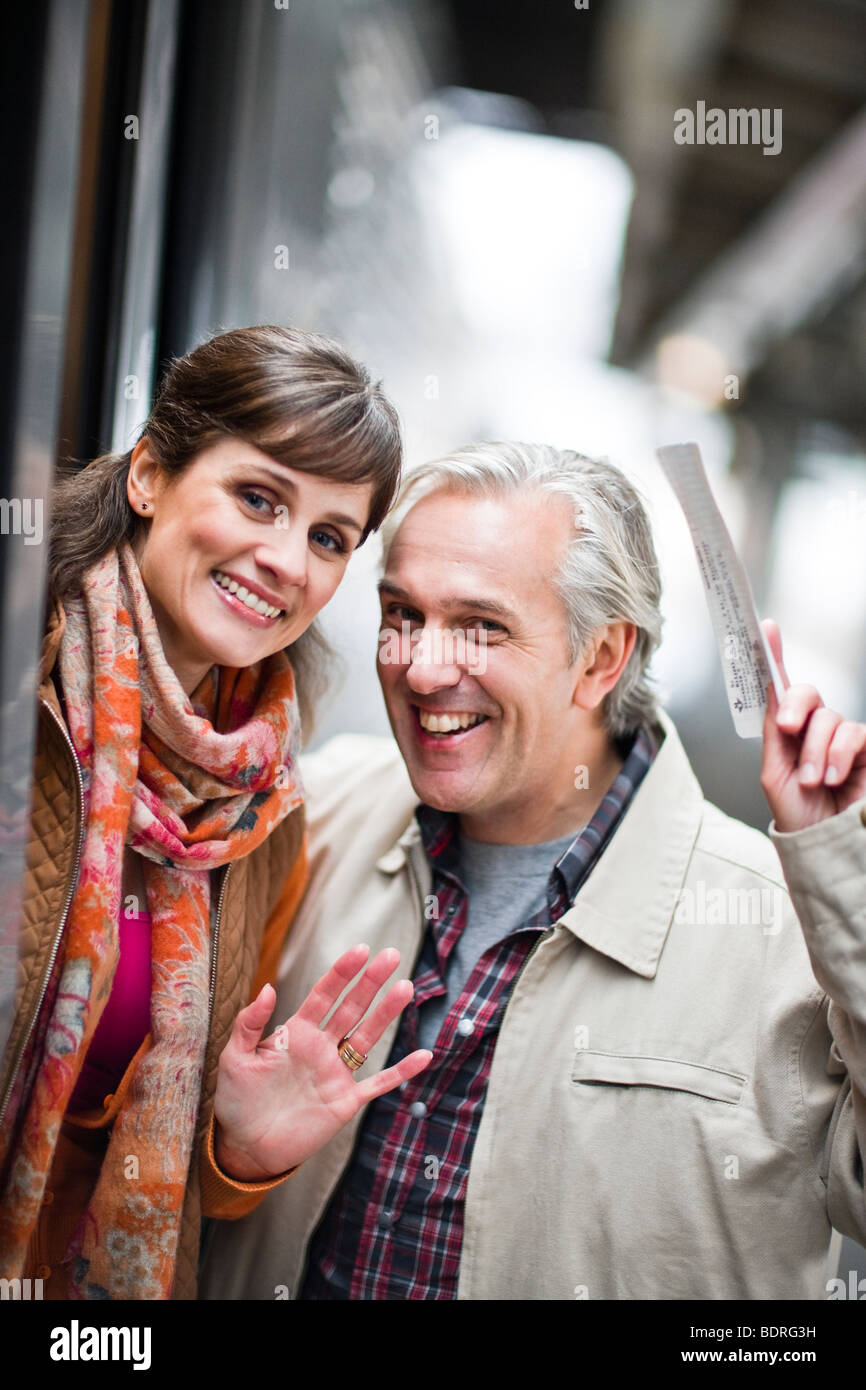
258,605
448,723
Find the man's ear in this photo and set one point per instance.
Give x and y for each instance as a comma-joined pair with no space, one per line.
603,663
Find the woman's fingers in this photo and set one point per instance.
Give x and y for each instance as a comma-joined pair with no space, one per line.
325,993
392,1076
359,999
250,1023
368,1033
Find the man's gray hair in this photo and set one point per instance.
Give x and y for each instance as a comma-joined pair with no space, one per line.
609,572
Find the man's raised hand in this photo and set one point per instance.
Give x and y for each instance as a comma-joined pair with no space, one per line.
814,762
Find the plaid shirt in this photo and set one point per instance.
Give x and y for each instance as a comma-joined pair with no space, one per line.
394,1226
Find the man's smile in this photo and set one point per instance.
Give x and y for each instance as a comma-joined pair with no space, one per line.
449,727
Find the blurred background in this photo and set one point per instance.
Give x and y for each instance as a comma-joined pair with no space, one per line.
501,209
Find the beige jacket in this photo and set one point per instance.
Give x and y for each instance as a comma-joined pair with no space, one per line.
667,1115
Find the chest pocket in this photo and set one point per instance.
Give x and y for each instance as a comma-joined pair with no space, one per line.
665,1073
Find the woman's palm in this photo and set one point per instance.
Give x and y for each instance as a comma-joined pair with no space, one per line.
280,1099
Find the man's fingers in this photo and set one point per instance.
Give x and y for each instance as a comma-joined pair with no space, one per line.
775,741
359,999
813,753
393,1076
774,639
797,706
250,1023
848,741
325,993
368,1033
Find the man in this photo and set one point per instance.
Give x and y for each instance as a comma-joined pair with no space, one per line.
637,1089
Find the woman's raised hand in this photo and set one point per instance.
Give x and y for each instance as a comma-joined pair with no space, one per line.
279,1099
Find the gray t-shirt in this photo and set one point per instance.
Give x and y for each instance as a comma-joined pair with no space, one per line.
506,885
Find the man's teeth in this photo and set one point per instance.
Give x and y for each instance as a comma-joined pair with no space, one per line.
258,605
447,723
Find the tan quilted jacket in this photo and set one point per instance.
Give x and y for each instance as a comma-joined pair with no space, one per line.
247,893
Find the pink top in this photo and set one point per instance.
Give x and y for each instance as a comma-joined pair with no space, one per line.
125,1020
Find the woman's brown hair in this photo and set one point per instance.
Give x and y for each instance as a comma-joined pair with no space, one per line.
298,397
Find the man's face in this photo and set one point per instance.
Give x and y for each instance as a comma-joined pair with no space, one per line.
471,564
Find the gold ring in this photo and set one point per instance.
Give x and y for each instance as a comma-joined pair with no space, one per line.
350,1055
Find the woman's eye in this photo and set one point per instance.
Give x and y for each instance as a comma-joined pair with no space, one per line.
253,499
329,541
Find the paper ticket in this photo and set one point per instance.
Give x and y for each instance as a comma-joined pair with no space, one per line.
747,661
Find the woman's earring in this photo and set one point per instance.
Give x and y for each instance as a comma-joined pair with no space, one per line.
144,506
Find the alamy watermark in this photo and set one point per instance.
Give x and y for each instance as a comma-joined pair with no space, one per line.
738,125
77,1343
22,516
731,907
21,1290
438,648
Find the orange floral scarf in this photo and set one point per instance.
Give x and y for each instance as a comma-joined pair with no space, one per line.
191,784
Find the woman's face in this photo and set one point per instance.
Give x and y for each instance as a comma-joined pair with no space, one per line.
240,552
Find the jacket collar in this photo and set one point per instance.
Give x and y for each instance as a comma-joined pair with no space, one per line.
408,845
626,906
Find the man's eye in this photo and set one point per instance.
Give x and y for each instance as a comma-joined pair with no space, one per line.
486,625
402,613
329,541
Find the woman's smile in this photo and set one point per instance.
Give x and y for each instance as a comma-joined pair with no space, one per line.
246,599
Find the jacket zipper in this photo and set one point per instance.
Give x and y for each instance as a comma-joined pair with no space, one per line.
542,937
216,942
55,946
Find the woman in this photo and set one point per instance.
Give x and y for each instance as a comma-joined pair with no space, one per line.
166,805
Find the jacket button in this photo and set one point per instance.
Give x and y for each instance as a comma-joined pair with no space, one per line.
43,1272
47,1199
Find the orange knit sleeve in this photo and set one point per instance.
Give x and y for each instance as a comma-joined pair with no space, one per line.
225,1197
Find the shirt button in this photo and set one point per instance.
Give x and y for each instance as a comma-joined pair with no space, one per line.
465,1027
385,1218
863,814
450,912
418,1109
